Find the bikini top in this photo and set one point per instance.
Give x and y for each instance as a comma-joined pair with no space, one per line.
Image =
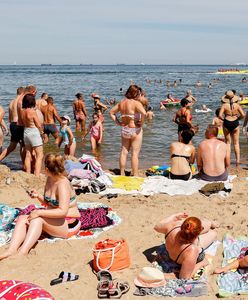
129,116
55,202
183,115
201,255
184,156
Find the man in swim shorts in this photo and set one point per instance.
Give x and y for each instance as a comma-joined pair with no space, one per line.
213,157
50,115
16,130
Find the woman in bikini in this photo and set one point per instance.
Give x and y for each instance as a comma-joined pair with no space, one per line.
182,156
186,238
80,112
58,219
131,132
183,117
231,112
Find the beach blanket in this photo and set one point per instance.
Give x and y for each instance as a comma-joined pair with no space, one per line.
236,281
160,184
173,288
127,183
93,224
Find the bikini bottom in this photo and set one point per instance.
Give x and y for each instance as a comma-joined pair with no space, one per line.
128,132
74,226
180,177
230,125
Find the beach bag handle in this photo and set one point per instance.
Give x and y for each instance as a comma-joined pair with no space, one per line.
99,251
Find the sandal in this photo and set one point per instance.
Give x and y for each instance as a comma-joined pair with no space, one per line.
63,277
118,290
105,282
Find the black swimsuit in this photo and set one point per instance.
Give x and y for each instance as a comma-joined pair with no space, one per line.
201,255
231,125
180,177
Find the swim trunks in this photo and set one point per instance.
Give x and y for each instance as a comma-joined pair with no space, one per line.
16,132
32,137
50,129
221,177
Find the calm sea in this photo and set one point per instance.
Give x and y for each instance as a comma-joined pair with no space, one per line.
64,81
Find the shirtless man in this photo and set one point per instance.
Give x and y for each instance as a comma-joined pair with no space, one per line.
80,112
16,131
189,96
42,101
50,115
213,157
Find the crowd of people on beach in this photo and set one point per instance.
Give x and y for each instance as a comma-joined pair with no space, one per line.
32,122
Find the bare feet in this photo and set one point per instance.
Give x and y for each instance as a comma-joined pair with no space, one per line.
215,224
7,254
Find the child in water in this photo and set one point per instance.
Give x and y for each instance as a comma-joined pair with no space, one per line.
149,114
67,137
219,123
96,129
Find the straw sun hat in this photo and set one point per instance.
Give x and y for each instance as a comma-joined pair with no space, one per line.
229,95
150,277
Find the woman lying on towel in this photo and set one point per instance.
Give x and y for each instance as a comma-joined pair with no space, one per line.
182,156
186,238
58,219
240,263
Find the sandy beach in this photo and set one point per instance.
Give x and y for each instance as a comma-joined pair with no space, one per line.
139,214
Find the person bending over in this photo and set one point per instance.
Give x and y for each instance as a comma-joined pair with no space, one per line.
58,219
213,157
186,238
182,156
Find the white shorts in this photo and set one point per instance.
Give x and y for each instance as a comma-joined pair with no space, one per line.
32,137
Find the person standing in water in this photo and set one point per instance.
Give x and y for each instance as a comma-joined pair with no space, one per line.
80,112
131,131
50,115
96,132
42,101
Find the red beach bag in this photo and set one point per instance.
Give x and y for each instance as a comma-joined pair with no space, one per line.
112,255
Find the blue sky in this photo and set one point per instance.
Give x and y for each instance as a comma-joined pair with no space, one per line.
113,31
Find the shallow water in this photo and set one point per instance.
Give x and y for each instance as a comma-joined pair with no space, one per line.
63,82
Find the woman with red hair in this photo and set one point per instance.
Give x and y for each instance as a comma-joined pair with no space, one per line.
186,238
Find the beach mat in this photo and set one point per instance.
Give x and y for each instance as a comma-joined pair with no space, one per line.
198,285
161,185
234,282
7,227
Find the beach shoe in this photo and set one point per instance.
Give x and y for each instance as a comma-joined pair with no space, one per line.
63,277
184,289
118,289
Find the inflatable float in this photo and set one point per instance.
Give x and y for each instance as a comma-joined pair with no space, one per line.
230,72
244,102
13,290
171,103
164,170
203,110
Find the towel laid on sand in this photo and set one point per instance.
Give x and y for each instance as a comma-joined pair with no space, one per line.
95,217
191,288
159,184
236,281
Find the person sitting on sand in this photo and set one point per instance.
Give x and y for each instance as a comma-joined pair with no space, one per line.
182,156
58,219
149,114
240,263
186,238
219,123
213,157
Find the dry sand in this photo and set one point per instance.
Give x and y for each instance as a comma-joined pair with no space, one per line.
139,215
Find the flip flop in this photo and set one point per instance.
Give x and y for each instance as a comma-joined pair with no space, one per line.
118,290
63,277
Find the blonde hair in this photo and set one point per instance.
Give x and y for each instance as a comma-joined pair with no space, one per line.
55,163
